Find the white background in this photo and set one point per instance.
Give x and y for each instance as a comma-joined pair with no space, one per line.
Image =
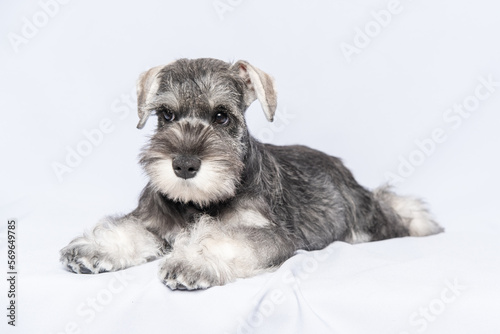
80,65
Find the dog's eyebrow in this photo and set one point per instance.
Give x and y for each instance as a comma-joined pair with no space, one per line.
220,93
166,98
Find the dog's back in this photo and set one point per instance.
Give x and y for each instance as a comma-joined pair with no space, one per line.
324,203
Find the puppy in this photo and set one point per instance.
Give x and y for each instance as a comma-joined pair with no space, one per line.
220,205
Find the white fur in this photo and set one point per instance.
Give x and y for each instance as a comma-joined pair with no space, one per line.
245,217
217,254
115,245
210,183
359,237
413,210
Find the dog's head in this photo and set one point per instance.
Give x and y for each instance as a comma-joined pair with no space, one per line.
197,152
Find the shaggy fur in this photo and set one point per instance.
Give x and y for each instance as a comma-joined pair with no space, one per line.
232,207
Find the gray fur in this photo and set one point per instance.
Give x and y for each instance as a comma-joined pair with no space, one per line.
250,205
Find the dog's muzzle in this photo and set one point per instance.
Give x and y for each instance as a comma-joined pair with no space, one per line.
186,166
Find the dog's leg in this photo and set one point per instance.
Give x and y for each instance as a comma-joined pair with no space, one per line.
213,253
114,244
411,212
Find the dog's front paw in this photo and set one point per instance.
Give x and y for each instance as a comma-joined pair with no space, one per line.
181,274
81,256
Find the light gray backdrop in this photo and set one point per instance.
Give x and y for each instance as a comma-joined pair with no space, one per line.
402,90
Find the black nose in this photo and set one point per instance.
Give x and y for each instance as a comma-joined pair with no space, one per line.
186,166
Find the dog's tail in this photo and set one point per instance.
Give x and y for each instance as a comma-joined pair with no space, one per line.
412,212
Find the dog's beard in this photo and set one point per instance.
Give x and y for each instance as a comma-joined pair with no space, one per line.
221,163
214,182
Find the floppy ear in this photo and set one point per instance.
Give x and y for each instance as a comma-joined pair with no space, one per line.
147,86
259,85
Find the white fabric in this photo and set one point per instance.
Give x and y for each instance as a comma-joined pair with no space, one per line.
378,287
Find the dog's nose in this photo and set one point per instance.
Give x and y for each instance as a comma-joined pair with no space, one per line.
186,166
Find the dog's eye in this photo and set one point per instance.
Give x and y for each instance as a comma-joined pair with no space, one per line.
168,115
221,116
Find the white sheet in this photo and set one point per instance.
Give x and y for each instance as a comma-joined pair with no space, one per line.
440,284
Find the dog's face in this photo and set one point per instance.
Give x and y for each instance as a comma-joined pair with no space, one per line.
197,152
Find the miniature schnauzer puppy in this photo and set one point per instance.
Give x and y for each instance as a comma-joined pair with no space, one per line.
220,205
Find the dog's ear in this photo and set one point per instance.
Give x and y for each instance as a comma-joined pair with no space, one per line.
147,86
259,85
